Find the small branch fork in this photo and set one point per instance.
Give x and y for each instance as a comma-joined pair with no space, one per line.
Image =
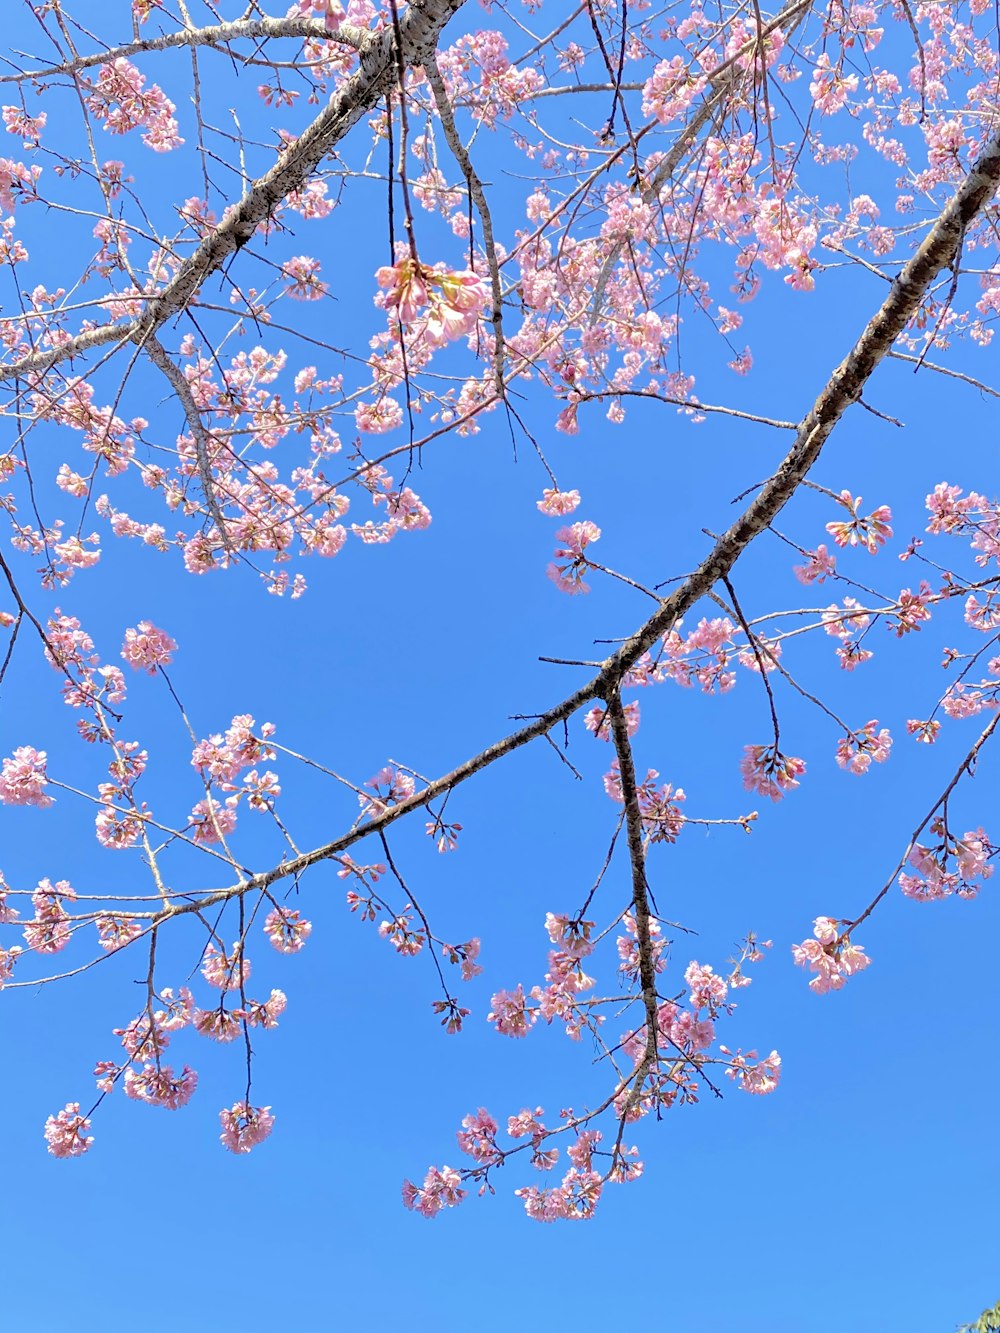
202,438
966,766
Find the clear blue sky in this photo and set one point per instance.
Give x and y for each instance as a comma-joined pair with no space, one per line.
858,1195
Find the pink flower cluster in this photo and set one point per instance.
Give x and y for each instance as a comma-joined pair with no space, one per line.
970,856
301,274
568,577
821,564
146,647
449,302
659,807
510,1013
465,956
245,1126
23,778
286,929
576,1198
48,931
66,1133
123,102
478,1138
871,531
972,515
758,1079
556,503
831,956
598,721
858,749
158,1085
441,1189
769,772
391,787
225,971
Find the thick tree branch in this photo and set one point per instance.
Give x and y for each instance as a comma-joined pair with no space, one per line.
640,896
202,438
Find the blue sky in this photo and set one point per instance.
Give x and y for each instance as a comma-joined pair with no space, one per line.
857,1195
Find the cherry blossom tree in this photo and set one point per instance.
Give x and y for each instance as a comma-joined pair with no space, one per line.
560,218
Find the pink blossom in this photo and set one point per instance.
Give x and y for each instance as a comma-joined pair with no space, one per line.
912,609
404,940
758,1079
984,616
23,779
599,723
211,820
543,1205
971,856
581,1151
820,566
712,636
923,731
245,1126
18,122
406,288
303,284
857,749
555,503
8,914
377,418
143,1039
116,829
525,1123
221,1024
870,532
178,1011
226,971
450,301
115,932
265,1013
286,929
581,1191
477,1138
708,991
831,957
948,512
391,786
568,577
66,1132
852,655
147,647
572,937
509,1011
441,1189
8,957
830,87
846,622
121,98
465,955
160,1086
262,790
49,930
762,652
769,772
